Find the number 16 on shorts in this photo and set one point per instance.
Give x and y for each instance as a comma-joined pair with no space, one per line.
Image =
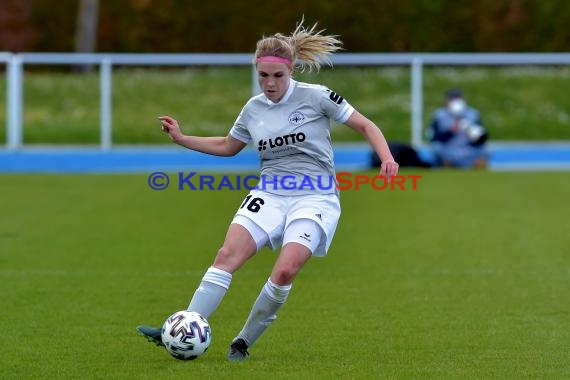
252,203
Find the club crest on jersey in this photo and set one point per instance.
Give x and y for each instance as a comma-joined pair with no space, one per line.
296,118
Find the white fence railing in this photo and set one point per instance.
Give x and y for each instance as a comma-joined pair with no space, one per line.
15,73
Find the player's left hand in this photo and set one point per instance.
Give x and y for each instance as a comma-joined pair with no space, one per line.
389,169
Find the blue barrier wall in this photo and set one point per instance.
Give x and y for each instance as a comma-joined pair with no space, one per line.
554,156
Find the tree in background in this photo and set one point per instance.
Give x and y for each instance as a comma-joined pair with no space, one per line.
16,30
86,29
86,32
191,26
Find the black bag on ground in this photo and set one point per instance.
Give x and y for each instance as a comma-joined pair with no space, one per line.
404,155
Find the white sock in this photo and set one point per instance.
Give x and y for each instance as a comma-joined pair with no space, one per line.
264,311
211,291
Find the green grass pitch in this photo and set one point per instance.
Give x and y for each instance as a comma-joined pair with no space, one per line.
466,277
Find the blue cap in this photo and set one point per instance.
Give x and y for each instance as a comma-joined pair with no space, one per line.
454,93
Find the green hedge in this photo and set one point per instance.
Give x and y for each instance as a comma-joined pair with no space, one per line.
235,26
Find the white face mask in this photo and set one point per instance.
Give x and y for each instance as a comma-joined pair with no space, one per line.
456,106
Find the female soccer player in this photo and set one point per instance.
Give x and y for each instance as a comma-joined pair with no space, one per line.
289,123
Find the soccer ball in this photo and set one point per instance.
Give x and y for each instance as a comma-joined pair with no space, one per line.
186,335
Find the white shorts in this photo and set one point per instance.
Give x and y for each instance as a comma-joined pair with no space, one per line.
272,215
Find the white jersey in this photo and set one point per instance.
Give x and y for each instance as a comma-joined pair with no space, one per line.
293,138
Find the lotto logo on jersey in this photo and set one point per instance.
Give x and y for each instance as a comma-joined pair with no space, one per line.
280,141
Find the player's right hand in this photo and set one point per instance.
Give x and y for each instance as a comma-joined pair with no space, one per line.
170,125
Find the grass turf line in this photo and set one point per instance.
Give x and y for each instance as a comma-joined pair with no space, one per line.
516,103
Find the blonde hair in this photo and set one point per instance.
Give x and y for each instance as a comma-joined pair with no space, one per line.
310,46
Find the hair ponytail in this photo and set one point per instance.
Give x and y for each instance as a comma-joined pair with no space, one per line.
309,46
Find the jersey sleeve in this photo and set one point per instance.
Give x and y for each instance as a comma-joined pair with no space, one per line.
335,106
239,130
